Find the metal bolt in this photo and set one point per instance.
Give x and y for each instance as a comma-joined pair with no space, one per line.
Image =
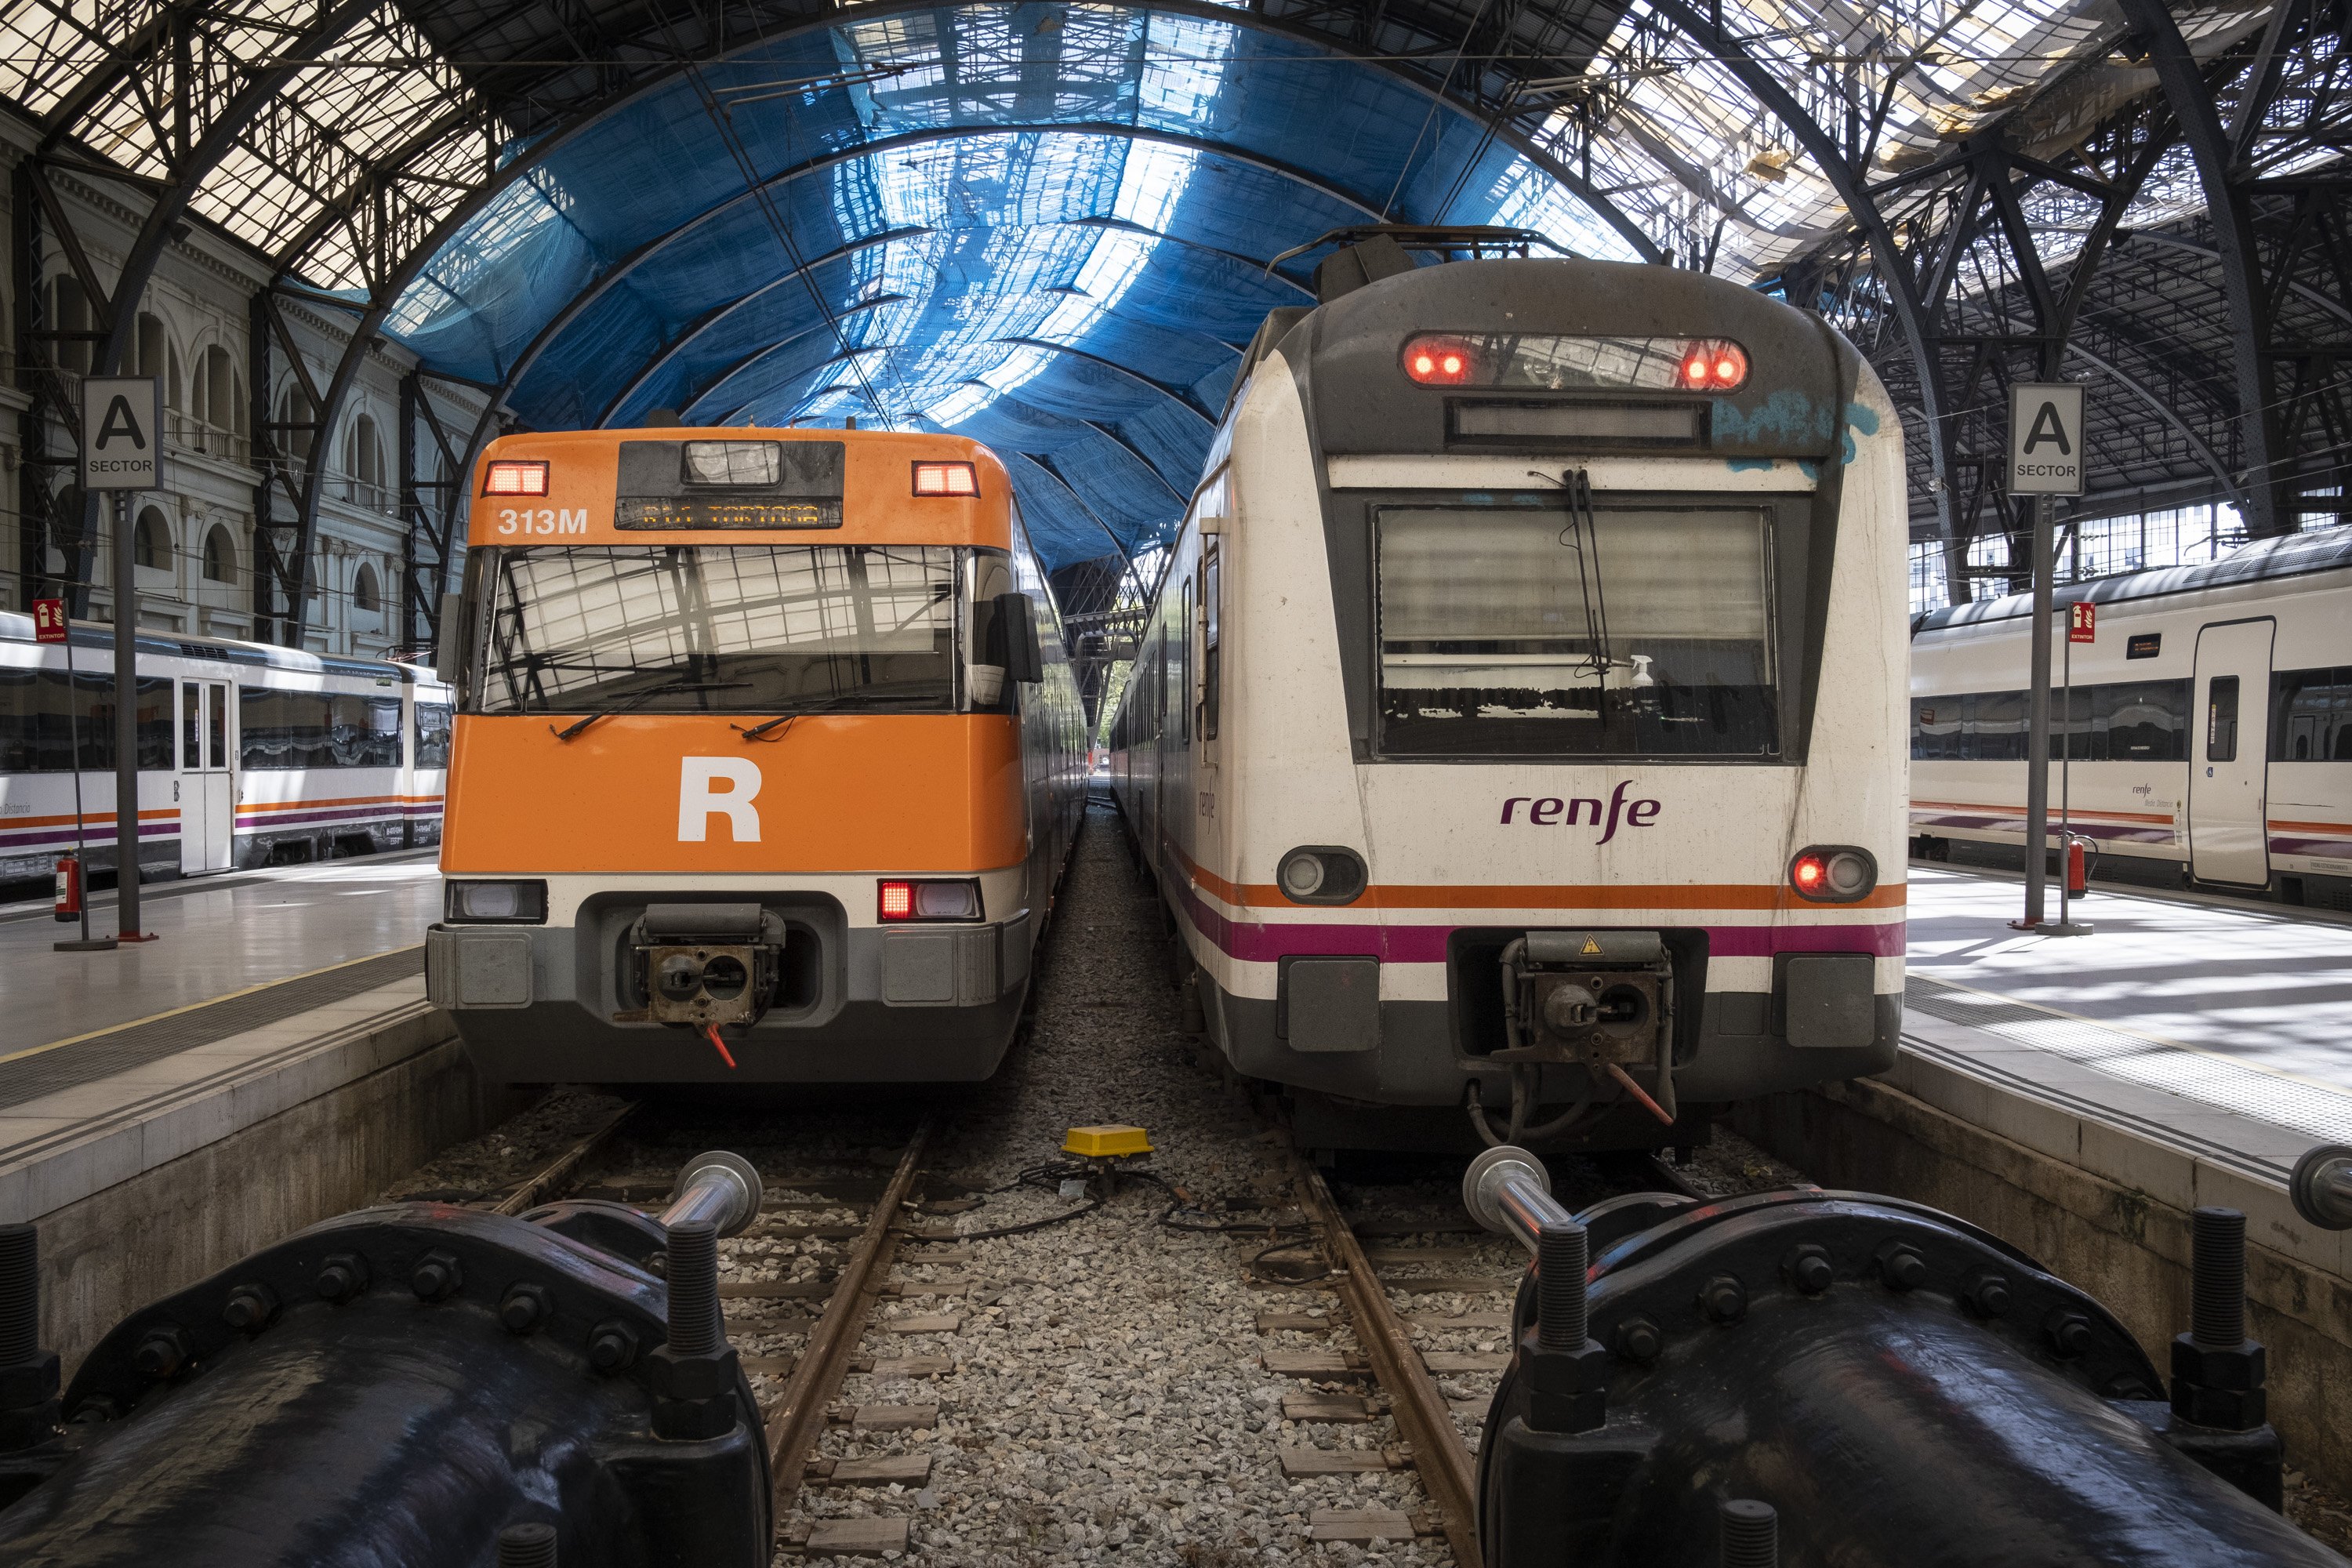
1751,1533
250,1308
2069,1333
1638,1338
1809,1270
1987,1295
527,1546
1904,1268
1724,1299
343,1276
695,1327
435,1276
2218,1269
612,1346
524,1308
1561,1260
162,1352
20,1295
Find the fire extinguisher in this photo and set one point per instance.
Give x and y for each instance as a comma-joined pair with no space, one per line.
2078,874
68,904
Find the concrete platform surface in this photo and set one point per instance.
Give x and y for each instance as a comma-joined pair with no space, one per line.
214,940
2240,1013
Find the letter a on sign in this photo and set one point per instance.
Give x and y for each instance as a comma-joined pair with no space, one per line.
2045,438
122,425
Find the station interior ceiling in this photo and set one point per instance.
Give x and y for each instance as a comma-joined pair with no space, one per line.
1054,226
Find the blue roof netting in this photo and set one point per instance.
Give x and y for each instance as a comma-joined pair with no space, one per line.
1046,228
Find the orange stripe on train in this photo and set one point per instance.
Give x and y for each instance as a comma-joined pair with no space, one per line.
899,792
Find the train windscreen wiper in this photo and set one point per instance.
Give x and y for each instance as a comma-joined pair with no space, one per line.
638,698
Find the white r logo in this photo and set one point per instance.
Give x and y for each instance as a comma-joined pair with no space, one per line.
711,785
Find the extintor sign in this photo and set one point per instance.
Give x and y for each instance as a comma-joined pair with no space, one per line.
2083,623
49,620
121,433
2045,438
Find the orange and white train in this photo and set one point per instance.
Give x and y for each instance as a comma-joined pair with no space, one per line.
2208,720
768,760
248,754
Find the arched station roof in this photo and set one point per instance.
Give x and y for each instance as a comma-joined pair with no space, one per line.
1049,224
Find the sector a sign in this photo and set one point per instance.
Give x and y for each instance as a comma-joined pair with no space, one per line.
121,433
2045,438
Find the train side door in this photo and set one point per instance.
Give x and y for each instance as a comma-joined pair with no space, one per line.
2229,752
207,790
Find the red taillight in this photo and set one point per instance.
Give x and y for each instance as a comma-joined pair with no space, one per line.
1808,873
1438,362
1713,365
508,479
897,900
946,479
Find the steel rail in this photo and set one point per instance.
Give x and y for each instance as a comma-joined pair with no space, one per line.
798,1418
535,1189
1421,1413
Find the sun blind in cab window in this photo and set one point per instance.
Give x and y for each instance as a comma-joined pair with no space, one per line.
728,484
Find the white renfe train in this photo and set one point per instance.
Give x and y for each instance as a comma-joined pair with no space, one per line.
1518,726
248,754
2209,720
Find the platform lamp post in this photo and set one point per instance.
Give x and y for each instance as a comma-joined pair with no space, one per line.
2045,459
122,441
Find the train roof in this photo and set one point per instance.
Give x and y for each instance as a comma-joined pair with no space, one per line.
18,628
2264,560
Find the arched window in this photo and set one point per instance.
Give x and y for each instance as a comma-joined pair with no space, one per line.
366,597
363,461
220,556
154,355
295,420
70,312
150,541
220,392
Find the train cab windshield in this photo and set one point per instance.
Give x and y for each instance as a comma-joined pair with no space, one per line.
1606,631
748,628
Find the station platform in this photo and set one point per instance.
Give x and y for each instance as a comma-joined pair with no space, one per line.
2223,1032
268,1060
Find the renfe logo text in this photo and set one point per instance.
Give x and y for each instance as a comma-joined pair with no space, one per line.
1544,811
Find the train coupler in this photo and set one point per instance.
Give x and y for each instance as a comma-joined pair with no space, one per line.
701,966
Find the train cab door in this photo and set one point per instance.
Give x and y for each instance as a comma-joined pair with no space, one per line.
2229,752
207,790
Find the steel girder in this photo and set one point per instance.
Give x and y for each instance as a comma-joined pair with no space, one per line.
2293,414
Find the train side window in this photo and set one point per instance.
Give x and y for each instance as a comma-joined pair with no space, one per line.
2314,718
1936,727
191,728
1180,671
1211,575
1996,727
2222,720
2139,721
432,735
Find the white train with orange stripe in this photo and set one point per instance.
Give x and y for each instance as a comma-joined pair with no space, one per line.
248,754
769,759
1518,727
2208,720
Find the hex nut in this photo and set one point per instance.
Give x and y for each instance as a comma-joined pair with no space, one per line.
250,1308
436,1277
1638,1340
1809,1270
2069,1333
1724,1299
162,1352
1901,1267
343,1276
612,1346
1987,1294
523,1309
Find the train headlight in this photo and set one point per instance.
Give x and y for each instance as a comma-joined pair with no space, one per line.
1439,361
494,903
512,478
1321,874
1834,874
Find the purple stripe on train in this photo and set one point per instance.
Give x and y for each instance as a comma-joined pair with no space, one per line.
1263,943
63,838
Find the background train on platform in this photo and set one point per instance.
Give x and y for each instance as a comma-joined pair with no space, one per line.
248,754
